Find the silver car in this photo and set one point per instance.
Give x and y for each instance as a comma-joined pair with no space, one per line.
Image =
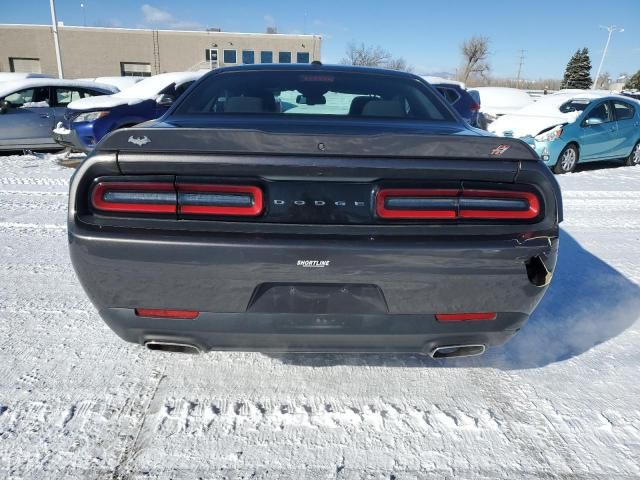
30,109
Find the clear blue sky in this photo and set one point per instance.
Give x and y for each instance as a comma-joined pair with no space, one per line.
427,34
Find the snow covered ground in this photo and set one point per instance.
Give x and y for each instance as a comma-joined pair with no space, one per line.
562,400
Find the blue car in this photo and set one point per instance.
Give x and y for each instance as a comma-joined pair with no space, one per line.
86,121
460,99
570,128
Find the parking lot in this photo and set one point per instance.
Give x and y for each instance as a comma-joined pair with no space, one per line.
559,401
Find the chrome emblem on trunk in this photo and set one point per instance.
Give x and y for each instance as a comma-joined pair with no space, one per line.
140,141
500,149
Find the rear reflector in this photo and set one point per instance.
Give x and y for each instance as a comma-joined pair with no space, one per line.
465,317
162,313
420,204
134,197
232,200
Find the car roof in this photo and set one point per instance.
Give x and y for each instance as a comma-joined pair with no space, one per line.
310,67
7,88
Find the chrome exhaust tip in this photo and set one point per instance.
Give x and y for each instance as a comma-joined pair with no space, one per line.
172,347
457,351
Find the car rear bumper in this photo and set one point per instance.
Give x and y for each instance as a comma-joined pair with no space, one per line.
261,293
313,333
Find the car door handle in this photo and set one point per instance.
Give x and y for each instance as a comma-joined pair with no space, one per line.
45,115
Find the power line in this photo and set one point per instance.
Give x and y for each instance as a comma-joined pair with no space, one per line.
522,57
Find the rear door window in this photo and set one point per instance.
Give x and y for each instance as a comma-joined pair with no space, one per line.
449,93
623,110
64,96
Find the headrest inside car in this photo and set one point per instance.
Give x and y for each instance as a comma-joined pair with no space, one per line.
243,105
383,108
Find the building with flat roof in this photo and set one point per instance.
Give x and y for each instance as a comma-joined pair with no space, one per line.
103,52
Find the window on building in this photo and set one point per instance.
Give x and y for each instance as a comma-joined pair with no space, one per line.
248,56
302,57
284,57
230,56
135,69
211,56
266,56
24,65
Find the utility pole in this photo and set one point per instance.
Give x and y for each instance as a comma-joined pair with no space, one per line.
522,57
84,14
56,43
610,29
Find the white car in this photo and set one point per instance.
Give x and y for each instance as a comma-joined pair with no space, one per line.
122,83
498,101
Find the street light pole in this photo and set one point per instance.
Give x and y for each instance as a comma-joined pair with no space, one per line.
610,29
56,43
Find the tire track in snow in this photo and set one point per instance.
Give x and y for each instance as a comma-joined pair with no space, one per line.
47,230
40,181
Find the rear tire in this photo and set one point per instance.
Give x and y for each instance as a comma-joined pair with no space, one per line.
634,157
567,160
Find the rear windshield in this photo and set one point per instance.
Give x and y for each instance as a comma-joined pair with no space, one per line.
310,93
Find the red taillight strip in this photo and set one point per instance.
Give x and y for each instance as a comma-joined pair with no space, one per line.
531,210
253,210
465,317
385,212
99,190
164,313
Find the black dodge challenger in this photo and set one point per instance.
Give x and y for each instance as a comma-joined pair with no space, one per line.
313,208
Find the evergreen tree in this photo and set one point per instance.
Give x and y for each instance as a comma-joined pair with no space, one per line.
634,82
578,71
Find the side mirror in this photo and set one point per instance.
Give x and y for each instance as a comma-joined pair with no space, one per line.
4,106
165,100
589,122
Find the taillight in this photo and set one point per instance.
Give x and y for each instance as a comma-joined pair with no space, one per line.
181,198
475,107
416,203
451,204
134,197
232,200
499,204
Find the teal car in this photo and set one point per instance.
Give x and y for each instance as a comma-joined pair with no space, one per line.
570,128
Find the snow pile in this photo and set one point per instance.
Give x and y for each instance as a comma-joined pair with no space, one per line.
496,101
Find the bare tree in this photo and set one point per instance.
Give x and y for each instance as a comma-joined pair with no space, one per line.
399,64
603,81
474,53
370,56
366,56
